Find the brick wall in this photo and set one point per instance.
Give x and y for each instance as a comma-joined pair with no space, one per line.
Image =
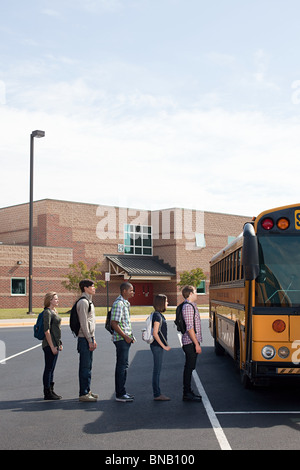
67,232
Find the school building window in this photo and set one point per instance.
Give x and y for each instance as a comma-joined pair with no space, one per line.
18,286
201,289
138,239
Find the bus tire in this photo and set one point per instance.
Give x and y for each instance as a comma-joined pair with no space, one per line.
219,350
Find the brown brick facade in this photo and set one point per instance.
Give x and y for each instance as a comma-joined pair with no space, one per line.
68,232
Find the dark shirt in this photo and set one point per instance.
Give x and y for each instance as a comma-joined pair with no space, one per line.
163,329
52,322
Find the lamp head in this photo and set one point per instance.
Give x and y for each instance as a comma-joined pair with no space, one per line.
38,134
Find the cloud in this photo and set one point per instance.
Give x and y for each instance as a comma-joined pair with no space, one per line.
260,76
221,59
94,6
236,162
50,12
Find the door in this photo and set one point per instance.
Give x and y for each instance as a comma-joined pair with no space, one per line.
143,293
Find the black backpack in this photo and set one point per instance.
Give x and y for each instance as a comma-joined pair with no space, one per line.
179,321
74,320
107,323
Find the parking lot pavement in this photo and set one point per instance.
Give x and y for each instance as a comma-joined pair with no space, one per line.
229,417
27,421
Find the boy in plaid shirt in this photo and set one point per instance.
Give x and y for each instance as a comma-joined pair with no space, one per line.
122,338
190,340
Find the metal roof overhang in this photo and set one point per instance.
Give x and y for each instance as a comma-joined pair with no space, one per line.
139,268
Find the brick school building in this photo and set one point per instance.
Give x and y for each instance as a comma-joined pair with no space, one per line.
149,248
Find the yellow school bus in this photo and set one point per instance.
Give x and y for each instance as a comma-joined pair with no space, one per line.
254,306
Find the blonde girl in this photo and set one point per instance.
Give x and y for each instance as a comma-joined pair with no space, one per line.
51,343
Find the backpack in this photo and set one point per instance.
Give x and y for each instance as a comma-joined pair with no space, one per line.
38,329
147,332
179,321
107,323
74,320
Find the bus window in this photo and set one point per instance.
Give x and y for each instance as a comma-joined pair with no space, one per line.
278,282
238,264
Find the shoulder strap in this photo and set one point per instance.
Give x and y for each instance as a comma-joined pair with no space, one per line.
159,329
84,298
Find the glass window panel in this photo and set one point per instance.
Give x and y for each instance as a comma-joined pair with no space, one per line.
278,283
18,286
147,241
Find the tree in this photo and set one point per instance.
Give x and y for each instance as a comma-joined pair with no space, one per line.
191,278
80,271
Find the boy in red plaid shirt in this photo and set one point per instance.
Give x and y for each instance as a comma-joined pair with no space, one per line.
190,340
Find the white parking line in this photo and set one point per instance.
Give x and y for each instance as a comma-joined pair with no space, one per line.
3,361
257,412
220,435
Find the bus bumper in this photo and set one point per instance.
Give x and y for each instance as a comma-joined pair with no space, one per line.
274,370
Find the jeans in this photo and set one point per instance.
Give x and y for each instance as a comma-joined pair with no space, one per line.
122,352
190,365
85,366
157,352
50,363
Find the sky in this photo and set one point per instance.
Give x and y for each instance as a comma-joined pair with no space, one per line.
152,104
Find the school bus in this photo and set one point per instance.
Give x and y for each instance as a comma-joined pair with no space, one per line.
254,305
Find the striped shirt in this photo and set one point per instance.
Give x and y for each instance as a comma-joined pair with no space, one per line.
120,312
191,317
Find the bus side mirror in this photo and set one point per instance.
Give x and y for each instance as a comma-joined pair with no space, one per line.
250,258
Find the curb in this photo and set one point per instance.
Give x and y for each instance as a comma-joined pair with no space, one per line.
30,322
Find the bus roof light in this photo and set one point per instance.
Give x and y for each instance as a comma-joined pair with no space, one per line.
283,223
267,223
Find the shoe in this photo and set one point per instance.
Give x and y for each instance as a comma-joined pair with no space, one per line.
88,397
125,398
195,395
162,398
95,395
190,396
48,395
58,397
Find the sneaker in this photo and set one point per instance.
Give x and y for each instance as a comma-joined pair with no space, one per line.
190,396
95,395
125,398
162,398
87,397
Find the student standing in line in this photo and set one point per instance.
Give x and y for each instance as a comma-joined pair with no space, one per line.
86,343
159,345
190,340
51,343
122,338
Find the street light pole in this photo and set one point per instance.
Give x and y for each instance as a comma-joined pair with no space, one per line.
34,134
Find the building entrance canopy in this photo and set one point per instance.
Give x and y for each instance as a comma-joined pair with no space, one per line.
140,268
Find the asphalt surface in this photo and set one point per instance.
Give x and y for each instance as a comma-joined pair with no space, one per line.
229,417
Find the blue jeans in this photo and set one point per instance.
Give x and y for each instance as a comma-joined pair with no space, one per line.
157,352
50,363
122,363
85,366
